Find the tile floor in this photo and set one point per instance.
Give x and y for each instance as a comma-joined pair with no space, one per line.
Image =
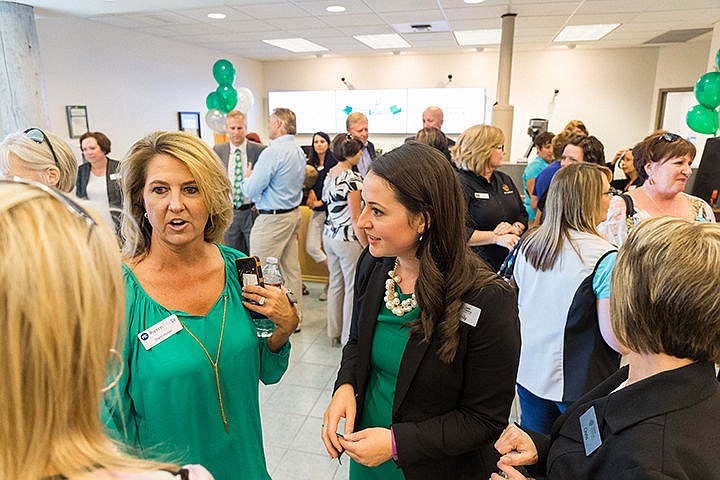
292,409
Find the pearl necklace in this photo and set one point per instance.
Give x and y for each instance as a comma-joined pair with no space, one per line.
392,298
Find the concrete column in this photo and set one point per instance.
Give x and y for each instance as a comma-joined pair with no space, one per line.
22,96
502,110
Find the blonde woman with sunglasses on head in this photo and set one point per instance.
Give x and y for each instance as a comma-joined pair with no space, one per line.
54,351
39,156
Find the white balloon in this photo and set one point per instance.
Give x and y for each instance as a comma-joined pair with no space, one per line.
215,119
246,99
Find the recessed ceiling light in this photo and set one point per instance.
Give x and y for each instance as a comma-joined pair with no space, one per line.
478,37
216,16
585,33
472,2
335,9
385,40
297,45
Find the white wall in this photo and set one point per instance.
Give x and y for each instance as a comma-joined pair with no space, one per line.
131,83
612,90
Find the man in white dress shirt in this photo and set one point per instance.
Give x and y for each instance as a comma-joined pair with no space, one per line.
239,156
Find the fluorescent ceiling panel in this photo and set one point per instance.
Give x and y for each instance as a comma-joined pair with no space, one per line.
296,45
387,40
478,37
585,33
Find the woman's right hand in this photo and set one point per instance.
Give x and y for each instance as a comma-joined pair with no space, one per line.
342,405
508,240
516,447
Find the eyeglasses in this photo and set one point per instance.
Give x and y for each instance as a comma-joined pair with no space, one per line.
71,205
38,136
500,147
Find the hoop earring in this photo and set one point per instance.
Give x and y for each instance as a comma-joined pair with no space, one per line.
651,181
146,215
115,381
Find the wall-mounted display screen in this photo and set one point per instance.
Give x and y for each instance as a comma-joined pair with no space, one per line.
389,111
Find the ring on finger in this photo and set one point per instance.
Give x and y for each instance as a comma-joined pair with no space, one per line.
261,302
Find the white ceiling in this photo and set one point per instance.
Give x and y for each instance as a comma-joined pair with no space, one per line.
248,22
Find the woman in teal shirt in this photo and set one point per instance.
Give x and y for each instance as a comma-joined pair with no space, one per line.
426,379
192,356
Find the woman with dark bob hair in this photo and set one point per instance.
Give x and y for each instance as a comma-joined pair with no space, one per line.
427,377
658,416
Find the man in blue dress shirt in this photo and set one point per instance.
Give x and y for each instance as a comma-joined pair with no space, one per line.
275,185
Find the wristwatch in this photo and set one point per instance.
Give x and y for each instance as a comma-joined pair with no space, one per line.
291,297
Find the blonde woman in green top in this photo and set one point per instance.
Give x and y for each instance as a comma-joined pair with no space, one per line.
427,376
192,356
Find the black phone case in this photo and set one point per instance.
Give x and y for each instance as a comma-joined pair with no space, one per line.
250,265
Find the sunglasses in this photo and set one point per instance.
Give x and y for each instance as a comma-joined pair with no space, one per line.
72,206
38,136
668,137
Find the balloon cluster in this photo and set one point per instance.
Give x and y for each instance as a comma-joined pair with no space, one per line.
225,97
703,118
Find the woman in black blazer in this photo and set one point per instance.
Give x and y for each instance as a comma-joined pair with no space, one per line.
658,417
426,379
107,198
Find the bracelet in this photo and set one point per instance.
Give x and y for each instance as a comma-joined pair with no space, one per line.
394,446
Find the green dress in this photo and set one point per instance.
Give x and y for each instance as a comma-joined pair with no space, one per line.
166,403
388,347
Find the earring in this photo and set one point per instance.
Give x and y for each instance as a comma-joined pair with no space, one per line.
117,377
146,215
420,239
651,181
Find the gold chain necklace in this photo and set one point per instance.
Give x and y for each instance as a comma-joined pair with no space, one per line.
673,213
215,363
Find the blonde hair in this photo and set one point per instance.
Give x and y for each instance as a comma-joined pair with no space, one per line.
353,118
235,114
573,203
61,308
666,272
474,148
206,169
38,157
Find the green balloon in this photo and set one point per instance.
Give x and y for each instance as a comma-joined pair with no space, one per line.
702,119
227,97
224,72
707,90
717,59
212,101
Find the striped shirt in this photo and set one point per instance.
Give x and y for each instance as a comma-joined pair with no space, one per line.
338,224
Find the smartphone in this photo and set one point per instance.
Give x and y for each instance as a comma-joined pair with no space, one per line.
250,273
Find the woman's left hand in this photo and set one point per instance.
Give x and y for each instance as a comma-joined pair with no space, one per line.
503,228
276,307
369,447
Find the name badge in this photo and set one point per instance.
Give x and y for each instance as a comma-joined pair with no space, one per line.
114,176
160,332
470,314
482,196
590,431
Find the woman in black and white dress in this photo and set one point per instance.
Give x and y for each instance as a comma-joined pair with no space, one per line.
342,238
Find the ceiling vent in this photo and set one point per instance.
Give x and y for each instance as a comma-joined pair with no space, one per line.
678,36
422,27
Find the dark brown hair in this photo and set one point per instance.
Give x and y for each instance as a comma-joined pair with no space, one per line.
593,149
102,140
543,138
658,147
434,137
425,184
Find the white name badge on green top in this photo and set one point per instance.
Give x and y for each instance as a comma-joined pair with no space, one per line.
160,332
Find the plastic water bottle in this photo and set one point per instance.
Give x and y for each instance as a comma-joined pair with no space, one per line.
272,278
271,273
